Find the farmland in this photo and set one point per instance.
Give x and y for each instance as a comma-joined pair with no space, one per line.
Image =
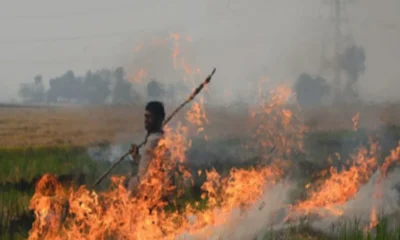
35,141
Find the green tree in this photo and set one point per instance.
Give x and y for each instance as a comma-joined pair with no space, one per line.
66,87
353,63
310,90
33,92
155,90
96,88
122,92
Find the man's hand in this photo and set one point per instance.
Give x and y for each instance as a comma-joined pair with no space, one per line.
134,151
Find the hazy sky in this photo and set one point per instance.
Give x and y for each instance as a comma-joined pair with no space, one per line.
243,39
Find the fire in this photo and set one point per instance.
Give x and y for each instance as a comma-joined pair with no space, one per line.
373,218
138,48
186,67
139,76
394,157
329,194
355,121
389,160
275,124
197,115
175,37
48,200
115,214
181,63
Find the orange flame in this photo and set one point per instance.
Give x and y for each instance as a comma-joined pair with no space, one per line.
373,218
139,76
138,48
176,50
340,186
197,115
355,121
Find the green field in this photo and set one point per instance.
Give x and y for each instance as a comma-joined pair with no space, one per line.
21,168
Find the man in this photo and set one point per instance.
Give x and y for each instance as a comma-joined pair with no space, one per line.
153,121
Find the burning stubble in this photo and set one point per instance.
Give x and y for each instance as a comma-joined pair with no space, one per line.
240,204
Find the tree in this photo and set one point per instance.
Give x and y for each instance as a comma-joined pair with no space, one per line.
38,79
122,92
39,91
33,92
96,88
67,87
25,92
155,90
353,63
310,90
170,92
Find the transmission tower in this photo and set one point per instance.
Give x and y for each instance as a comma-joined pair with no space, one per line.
335,40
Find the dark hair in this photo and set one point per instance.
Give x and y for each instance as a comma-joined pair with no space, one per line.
156,108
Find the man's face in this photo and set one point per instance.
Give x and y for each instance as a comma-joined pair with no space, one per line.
149,121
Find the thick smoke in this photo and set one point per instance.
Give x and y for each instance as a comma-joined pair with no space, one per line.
263,215
270,211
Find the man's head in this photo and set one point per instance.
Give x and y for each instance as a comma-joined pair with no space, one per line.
154,116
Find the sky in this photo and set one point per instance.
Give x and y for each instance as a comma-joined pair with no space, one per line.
245,40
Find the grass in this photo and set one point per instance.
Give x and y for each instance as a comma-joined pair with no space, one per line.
26,164
380,232
21,168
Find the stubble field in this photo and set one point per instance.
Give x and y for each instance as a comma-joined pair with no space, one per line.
36,141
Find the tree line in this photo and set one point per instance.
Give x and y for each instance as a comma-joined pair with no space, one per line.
110,86
105,86
312,90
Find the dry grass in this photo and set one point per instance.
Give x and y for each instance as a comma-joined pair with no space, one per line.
82,126
372,116
76,126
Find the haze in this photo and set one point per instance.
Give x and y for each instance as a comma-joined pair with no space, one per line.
244,39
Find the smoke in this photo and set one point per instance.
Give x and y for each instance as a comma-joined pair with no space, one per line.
251,223
283,36
270,211
384,197
114,151
243,42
